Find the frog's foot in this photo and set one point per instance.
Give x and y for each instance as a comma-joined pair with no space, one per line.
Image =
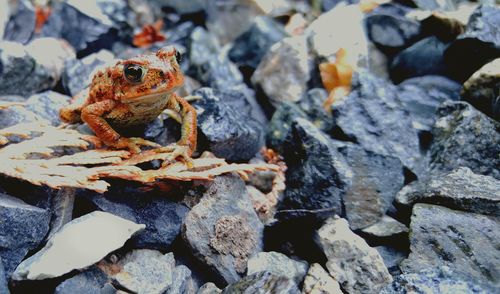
176,151
132,144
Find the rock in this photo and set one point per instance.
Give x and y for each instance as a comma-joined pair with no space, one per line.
91,280
144,271
386,227
462,190
180,279
4,288
162,216
183,7
18,114
482,89
78,73
465,137
88,238
209,288
223,230
21,25
30,69
372,116
249,48
226,122
391,32
47,105
287,82
421,97
317,177
280,125
422,58
4,17
436,281
278,264
262,283
479,44
312,105
376,179
22,228
356,266
465,242
392,258
319,281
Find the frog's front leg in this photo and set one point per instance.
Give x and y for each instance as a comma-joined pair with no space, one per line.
93,115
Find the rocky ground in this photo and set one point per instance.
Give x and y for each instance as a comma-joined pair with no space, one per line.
395,188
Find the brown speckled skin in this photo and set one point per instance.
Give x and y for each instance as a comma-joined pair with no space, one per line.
111,100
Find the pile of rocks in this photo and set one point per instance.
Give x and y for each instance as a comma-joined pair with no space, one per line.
395,188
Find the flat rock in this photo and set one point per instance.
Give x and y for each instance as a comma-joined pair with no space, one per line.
91,280
223,230
20,26
278,264
208,288
386,227
391,31
356,266
262,283
466,242
22,228
319,281
18,114
47,105
482,88
83,241
465,137
317,177
287,82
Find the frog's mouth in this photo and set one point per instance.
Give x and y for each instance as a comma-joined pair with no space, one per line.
149,97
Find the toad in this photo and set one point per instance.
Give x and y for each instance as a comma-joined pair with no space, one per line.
135,92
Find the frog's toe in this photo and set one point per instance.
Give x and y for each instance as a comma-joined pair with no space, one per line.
132,144
177,152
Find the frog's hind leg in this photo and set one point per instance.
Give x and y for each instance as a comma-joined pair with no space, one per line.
72,112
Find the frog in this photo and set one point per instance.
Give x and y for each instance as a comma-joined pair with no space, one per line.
134,92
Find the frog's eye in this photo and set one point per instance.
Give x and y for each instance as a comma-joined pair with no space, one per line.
134,73
178,56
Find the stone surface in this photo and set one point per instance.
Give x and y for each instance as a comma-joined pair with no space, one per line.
317,177
262,283
392,258
162,216
47,105
83,241
184,6
465,137
280,125
391,31
21,24
22,228
249,48
180,279
467,243
318,281
208,288
386,227
312,105
91,280
356,266
287,82
4,288
18,114
226,122
482,89
223,230
278,264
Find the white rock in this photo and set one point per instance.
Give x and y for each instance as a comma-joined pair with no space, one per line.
279,264
80,243
318,281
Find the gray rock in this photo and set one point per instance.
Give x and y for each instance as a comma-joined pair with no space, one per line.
391,31
4,288
372,116
4,17
225,119
319,281
47,105
467,243
17,114
208,288
145,271
262,283
356,266
281,124
312,105
183,7
386,227
21,25
22,228
89,281
437,281
482,89
317,176
287,82
162,216
392,258
278,264
223,230
249,48
181,277
465,137
376,179
435,5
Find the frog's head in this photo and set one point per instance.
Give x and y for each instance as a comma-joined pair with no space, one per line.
150,75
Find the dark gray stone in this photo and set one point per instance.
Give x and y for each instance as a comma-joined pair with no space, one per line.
23,228
47,105
465,137
392,258
223,230
162,216
435,4
226,122
317,177
249,48
4,288
466,242
90,281
280,125
262,283
392,31
312,105
422,58
182,6
21,25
